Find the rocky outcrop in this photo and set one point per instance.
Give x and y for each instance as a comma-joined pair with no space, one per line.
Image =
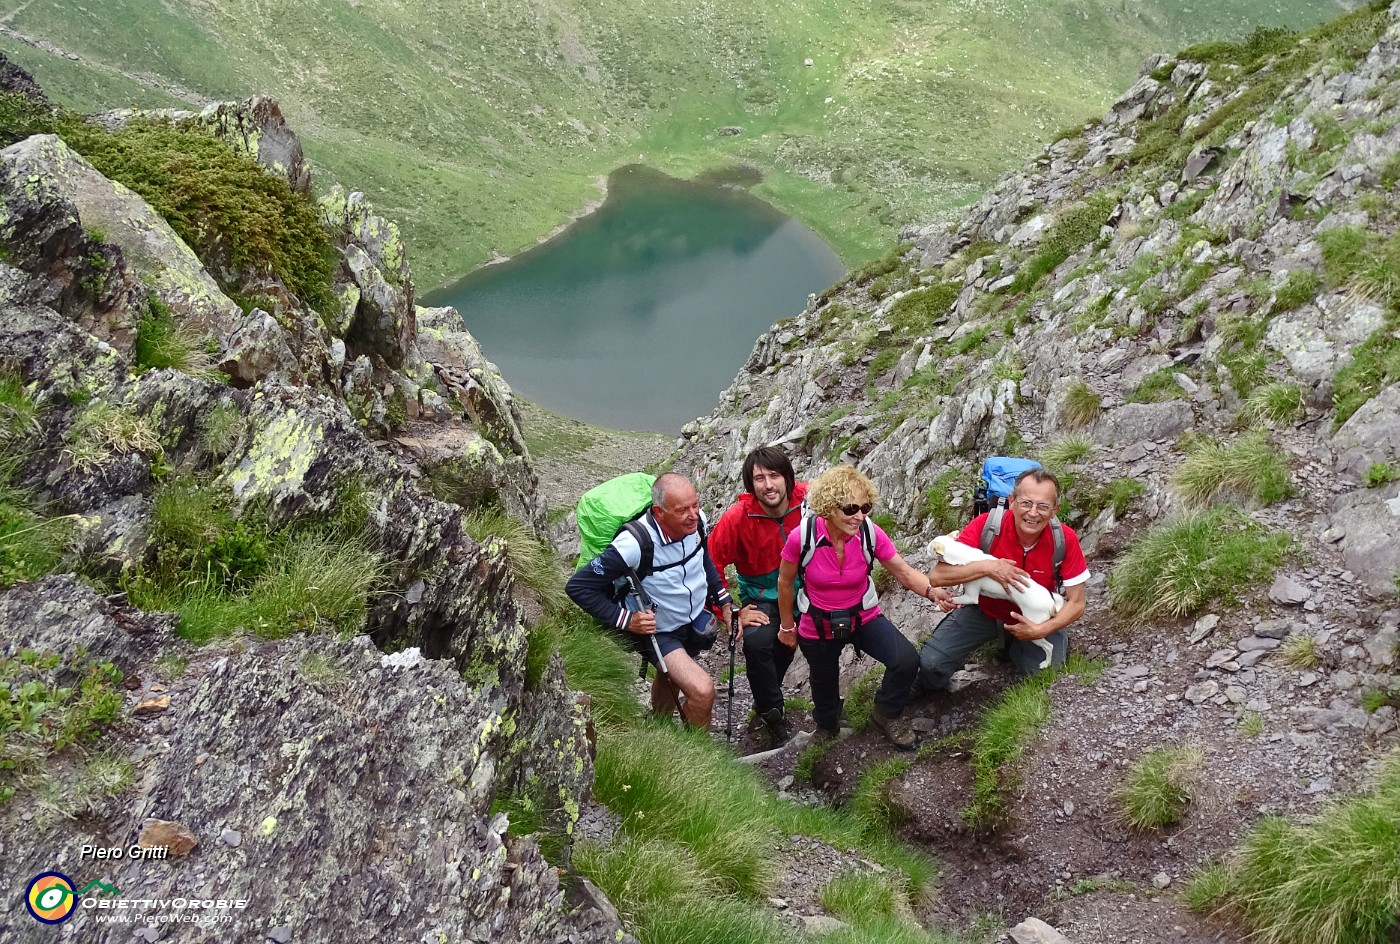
315,777
319,781
1136,284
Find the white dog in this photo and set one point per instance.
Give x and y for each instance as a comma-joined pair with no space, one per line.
1035,602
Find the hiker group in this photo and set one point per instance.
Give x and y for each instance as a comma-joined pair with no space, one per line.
805,556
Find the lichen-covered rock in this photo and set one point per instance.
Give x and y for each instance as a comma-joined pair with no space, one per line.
374,276
315,753
42,231
1371,436
258,349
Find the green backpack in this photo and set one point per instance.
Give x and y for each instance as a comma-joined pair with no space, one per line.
605,508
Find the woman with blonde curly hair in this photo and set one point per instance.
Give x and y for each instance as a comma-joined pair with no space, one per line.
834,552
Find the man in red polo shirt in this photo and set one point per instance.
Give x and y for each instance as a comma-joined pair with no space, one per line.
1024,552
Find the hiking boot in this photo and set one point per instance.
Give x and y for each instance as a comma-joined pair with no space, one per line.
897,730
825,735
778,729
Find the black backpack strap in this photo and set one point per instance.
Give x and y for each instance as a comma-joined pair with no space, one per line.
642,536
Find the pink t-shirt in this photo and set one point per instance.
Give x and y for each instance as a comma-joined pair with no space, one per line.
831,587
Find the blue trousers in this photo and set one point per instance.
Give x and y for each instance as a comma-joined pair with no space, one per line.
878,639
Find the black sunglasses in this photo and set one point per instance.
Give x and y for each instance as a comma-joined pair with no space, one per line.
852,509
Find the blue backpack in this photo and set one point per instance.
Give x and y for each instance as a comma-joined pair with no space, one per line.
993,495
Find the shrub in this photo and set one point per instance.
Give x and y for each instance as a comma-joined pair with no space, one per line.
970,341
1274,403
1248,468
1081,404
1158,787
1380,473
48,702
218,200
1191,558
1334,880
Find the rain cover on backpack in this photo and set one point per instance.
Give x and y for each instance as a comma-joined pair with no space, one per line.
606,507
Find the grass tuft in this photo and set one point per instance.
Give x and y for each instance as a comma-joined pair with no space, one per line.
1157,788
1192,558
1082,404
1067,451
1276,404
871,804
531,560
1333,880
161,341
860,897
1249,469
1300,652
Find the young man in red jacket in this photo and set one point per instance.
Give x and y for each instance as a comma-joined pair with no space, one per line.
750,535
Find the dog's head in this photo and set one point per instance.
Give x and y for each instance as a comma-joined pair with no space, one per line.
940,545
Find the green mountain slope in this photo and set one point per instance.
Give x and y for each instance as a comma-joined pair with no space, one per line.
482,125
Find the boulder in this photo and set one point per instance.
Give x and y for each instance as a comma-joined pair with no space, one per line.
150,247
310,771
1370,436
1134,422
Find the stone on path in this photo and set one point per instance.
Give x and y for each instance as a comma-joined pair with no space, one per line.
1288,592
1035,931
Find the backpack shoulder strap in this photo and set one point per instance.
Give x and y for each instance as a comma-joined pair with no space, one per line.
642,536
991,528
809,547
1057,533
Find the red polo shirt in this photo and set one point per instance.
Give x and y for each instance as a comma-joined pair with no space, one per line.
1038,561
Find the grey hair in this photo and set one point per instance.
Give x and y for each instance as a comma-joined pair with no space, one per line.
662,485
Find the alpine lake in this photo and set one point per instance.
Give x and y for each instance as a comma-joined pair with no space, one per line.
638,315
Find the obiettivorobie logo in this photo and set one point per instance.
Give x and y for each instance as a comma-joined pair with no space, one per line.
51,899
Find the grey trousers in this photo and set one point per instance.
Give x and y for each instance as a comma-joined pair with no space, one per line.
966,628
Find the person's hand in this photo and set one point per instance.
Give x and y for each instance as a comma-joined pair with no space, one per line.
643,623
943,599
788,637
1022,628
751,615
1007,574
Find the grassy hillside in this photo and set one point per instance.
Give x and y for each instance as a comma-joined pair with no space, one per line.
480,125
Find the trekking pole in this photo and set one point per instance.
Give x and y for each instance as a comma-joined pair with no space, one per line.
733,642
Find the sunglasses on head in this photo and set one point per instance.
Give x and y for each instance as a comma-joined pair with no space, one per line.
853,508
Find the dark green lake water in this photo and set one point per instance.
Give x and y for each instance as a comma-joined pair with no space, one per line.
640,314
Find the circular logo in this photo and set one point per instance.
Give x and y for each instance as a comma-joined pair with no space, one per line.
50,897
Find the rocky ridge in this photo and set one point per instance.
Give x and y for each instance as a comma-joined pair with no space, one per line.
1164,263
329,784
